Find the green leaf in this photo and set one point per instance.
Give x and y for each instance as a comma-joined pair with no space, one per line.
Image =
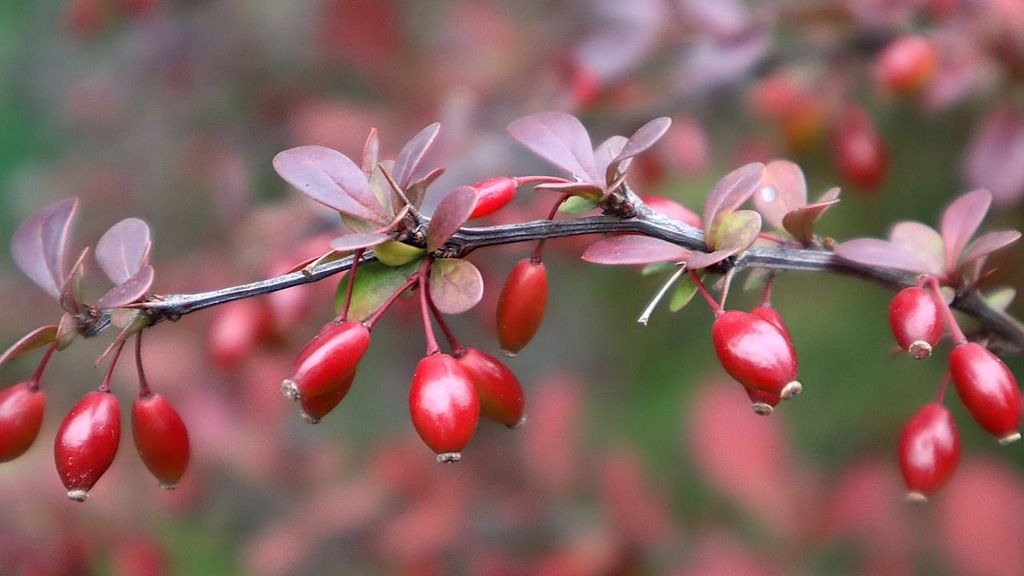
375,282
658,268
683,293
1000,298
577,205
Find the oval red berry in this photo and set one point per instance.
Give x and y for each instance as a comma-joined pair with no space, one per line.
21,417
754,352
929,450
87,441
493,194
988,390
521,305
444,406
501,396
328,360
161,438
916,321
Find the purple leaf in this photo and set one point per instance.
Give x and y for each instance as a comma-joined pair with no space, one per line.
455,285
581,189
640,141
993,158
989,243
410,156
924,242
736,229
782,191
560,139
634,249
71,293
800,222
39,245
731,192
330,178
417,191
129,291
961,220
350,242
701,260
123,249
451,213
371,152
607,151
32,341
882,253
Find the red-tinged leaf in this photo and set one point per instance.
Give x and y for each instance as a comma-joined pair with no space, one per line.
39,245
382,191
560,139
782,191
634,249
417,191
350,242
584,190
701,260
731,192
67,330
645,137
875,252
987,244
451,213
71,293
124,249
924,242
32,341
371,153
993,157
129,291
411,155
800,222
456,285
330,178
735,230
961,220
607,151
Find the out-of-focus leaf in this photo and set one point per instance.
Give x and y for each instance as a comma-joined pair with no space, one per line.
451,213
961,220
591,192
800,222
736,229
560,139
124,249
128,291
714,63
418,189
722,18
371,153
350,242
875,252
987,244
732,191
993,157
672,209
683,293
924,242
39,245
657,268
456,285
577,205
411,155
645,137
782,190
331,178
607,151
1001,298
32,341
375,282
633,249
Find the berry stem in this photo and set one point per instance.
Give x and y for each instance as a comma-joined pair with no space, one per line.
356,257
409,283
726,283
428,328
537,256
105,385
33,384
715,306
457,349
766,296
954,329
144,391
940,397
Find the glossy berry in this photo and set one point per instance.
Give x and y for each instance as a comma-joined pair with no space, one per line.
860,154
314,408
521,305
501,396
21,416
444,406
988,390
929,451
756,353
907,64
326,363
916,321
763,403
492,195
769,314
161,438
87,442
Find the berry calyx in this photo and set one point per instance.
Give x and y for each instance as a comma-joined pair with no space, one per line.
763,403
314,408
907,64
501,396
493,194
916,321
444,406
161,438
756,353
929,451
328,360
21,417
87,441
988,390
521,305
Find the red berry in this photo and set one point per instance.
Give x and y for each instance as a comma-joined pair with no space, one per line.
492,195
756,353
521,305
771,315
87,442
21,416
907,64
315,408
929,450
916,321
501,396
859,151
988,390
327,362
161,438
235,331
762,402
444,406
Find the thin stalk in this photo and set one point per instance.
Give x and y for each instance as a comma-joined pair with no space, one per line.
715,306
105,385
940,397
376,316
356,256
538,252
457,349
428,328
954,329
33,384
144,391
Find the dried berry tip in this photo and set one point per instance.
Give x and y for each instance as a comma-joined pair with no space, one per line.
519,424
78,495
449,457
920,350
762,409
509,354
790,390
309,418
168,485
1009,439
289,390
916,498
